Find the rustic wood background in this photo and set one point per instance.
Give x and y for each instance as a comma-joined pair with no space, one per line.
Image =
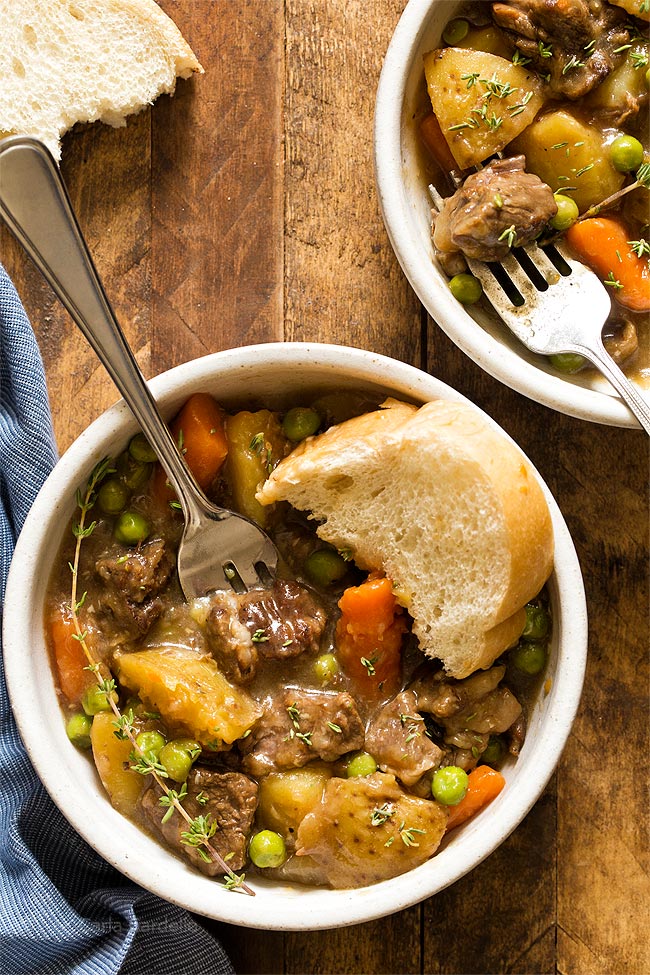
243,210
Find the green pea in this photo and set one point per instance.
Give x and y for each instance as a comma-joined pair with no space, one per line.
300,422
78,729
537,623
494,751
647,78
361,764
134,473
131,528
95,700
178,756
141,450
267,849
449,785
326,667
113,496
325,566
567,361
529,658
151,743
466,288
567,212
455,31
626,153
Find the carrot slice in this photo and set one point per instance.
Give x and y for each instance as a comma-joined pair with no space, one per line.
369,636
200,431
438,147
69,657
484,785
603,244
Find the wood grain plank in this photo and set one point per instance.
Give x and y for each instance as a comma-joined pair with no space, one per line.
501,917
217,186
603,842
383,947
343,283
251,951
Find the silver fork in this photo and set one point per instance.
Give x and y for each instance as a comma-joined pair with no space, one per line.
219,548
554,304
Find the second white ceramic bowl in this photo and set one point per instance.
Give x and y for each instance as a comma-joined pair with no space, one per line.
406,209
266,374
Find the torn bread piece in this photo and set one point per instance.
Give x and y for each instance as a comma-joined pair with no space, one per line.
442,503
68,61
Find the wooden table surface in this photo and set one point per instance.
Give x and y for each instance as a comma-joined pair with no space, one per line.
243,210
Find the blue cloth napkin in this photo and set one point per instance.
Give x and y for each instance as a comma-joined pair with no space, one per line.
63,909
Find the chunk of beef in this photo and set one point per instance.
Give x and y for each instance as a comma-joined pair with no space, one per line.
517,734
469,711
279,622
498,207
229,798
574,42
397,739
299,726
444,696
133,582
287,618
490,715
229,640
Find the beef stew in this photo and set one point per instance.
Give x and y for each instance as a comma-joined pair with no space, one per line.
256,731
561,93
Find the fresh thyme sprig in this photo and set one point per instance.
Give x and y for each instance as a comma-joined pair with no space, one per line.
199,829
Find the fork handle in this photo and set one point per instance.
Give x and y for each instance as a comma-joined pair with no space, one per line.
35,205
600,358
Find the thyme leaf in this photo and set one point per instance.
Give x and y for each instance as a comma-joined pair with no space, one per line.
369,665
611,282
381,814
408,834
509,235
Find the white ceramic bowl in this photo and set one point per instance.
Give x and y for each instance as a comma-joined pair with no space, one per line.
262,372
406,209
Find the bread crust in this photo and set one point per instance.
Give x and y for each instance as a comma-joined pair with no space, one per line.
428,443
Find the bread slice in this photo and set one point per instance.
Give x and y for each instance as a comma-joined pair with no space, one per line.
445,505
68,61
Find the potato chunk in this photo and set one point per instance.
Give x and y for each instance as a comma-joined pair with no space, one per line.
480,100
256,444
368,829
190,692
624,89
112,759
570,156
285,798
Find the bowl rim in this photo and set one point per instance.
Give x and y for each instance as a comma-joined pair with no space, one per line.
124,845
495,357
